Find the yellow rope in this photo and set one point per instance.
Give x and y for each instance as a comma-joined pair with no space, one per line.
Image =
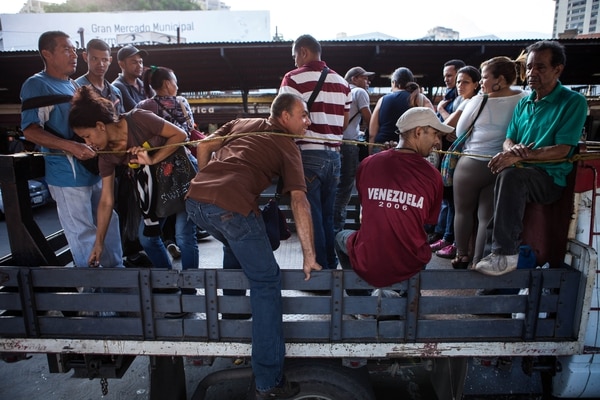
194,143
572,159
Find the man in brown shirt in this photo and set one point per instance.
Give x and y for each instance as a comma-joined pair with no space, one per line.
223,199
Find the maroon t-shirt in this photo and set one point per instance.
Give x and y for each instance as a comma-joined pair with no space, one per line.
399,193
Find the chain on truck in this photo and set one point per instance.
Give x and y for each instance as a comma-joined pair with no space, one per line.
535,334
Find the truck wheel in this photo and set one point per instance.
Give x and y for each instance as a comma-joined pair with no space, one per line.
324,380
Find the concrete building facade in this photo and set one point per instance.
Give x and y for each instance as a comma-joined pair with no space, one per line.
576,17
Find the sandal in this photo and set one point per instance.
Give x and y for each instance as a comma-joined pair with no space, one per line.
460,262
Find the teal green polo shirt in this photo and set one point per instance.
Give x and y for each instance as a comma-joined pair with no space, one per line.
558,118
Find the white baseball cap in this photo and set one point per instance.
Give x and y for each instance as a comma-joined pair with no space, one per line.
421,116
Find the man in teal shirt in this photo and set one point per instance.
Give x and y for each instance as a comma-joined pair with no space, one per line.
546,126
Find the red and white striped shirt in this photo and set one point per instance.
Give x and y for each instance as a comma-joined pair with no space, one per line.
330,105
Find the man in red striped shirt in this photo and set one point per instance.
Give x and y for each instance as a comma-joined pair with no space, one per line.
320,148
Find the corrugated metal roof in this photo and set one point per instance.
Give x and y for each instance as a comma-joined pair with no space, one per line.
261,65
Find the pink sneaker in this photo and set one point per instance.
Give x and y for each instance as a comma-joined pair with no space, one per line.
447,252
440,244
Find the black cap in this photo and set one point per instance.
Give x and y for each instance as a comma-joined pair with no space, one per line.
128,51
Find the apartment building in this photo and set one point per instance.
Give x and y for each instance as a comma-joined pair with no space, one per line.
576,17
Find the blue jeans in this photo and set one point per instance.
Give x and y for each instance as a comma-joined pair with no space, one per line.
77,208
445,225
185,237
349,164
247,239
230,261
322,174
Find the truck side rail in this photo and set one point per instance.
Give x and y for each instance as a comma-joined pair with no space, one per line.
46,307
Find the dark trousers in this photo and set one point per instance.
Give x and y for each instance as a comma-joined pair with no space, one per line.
515,187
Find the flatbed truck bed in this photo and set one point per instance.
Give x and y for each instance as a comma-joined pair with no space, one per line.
97,320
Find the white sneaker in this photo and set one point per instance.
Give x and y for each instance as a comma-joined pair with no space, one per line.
364,317
497,264
174,250
387,293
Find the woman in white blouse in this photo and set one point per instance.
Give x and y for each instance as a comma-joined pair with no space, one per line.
473,181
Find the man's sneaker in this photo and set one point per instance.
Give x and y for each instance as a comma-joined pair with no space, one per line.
497,264
364,317
447,252
285,390
174,250
138,260
440,244
388,293
201,234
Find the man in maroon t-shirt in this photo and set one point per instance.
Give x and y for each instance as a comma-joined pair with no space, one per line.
400,192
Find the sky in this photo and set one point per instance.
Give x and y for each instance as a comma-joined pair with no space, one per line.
14,6
507,19
405,19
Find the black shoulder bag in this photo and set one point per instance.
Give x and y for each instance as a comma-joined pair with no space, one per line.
170,180
317,88
275,223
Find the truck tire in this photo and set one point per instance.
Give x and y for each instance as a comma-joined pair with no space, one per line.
326,380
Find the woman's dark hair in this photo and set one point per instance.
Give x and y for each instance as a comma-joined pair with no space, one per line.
502,66
473,73
401,77
154,77
88,108
415,92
